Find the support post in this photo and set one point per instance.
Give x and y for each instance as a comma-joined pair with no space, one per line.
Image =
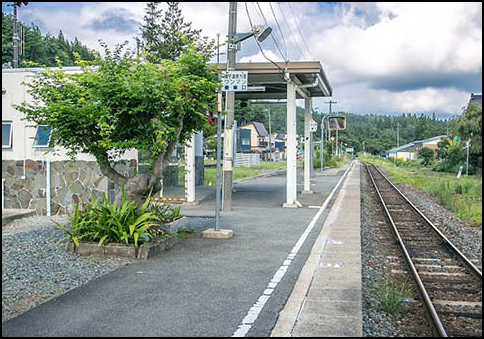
190,170
230,107
307,146
47,187
291,149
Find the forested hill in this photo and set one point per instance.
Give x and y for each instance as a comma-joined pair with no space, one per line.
42,50
375,133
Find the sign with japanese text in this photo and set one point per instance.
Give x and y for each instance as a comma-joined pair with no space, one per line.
234,80
313,126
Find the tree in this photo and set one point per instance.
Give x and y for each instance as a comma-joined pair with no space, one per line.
41,50
167,36
124,103
427,155
151,29
469,127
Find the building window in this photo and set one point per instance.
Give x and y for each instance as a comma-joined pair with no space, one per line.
6,134
245,142
42,136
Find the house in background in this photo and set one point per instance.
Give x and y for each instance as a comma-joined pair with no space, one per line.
410,151
406,152
476,99
431,143
259,137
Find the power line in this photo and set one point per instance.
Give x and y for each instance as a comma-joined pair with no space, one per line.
302,37
261,14
280,30
258,44
290,30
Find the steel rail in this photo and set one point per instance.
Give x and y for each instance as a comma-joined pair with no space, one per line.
469,264
427,302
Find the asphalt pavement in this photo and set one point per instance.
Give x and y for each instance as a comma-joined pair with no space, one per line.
201,287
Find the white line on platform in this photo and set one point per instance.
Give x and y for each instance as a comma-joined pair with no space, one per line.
255,310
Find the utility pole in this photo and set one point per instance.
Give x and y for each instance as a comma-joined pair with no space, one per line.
398,134
230,107
15,36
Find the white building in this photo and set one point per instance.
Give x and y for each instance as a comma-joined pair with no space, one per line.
29,166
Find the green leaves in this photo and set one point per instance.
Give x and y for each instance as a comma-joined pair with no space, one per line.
120,103
105,222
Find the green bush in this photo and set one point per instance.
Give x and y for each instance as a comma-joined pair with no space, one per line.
105,222
165,212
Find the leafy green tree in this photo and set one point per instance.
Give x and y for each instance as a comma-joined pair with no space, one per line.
427,155
125,103
469,127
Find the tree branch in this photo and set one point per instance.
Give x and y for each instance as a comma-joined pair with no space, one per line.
108,171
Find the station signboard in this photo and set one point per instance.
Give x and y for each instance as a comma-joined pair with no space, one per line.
236,81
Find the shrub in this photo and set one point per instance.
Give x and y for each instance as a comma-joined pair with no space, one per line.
165,212
105,222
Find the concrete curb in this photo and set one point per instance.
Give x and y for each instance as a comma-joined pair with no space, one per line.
143,252
291,312
9,215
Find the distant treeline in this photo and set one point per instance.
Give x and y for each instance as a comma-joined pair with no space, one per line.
41,50
373,133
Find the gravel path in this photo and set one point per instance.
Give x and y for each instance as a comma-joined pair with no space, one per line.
36,267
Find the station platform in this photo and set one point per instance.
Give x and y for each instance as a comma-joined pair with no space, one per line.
326,300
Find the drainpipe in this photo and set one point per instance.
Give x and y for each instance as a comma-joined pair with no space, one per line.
47,186
3,194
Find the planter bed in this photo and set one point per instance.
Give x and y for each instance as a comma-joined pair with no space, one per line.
144,251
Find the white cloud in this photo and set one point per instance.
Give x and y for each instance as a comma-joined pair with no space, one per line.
379,57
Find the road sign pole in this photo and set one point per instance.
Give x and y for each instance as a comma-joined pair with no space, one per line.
228,148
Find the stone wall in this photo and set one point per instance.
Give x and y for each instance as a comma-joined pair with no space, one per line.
70,182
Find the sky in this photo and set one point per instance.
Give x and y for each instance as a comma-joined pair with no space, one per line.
380,58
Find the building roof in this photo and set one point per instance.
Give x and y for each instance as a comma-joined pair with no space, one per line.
260,128
401,148
430,139
476,99
280,136
411,144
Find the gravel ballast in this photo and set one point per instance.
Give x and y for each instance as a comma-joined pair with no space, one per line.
36,267
377,247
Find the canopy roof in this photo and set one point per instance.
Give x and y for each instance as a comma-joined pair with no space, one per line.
271,77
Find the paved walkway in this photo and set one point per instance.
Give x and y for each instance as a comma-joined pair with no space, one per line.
206,287
326,300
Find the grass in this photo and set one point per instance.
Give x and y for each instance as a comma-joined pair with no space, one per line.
461,196
243,172
393,295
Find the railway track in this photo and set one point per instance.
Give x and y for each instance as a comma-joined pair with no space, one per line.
449,284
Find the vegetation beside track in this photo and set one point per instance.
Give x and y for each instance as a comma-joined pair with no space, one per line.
461,196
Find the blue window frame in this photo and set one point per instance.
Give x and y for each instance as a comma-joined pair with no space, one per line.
42,136
6,134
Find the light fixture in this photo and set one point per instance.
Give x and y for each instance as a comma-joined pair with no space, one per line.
260,32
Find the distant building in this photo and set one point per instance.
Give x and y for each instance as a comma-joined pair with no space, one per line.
476,99
259,137
410,151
